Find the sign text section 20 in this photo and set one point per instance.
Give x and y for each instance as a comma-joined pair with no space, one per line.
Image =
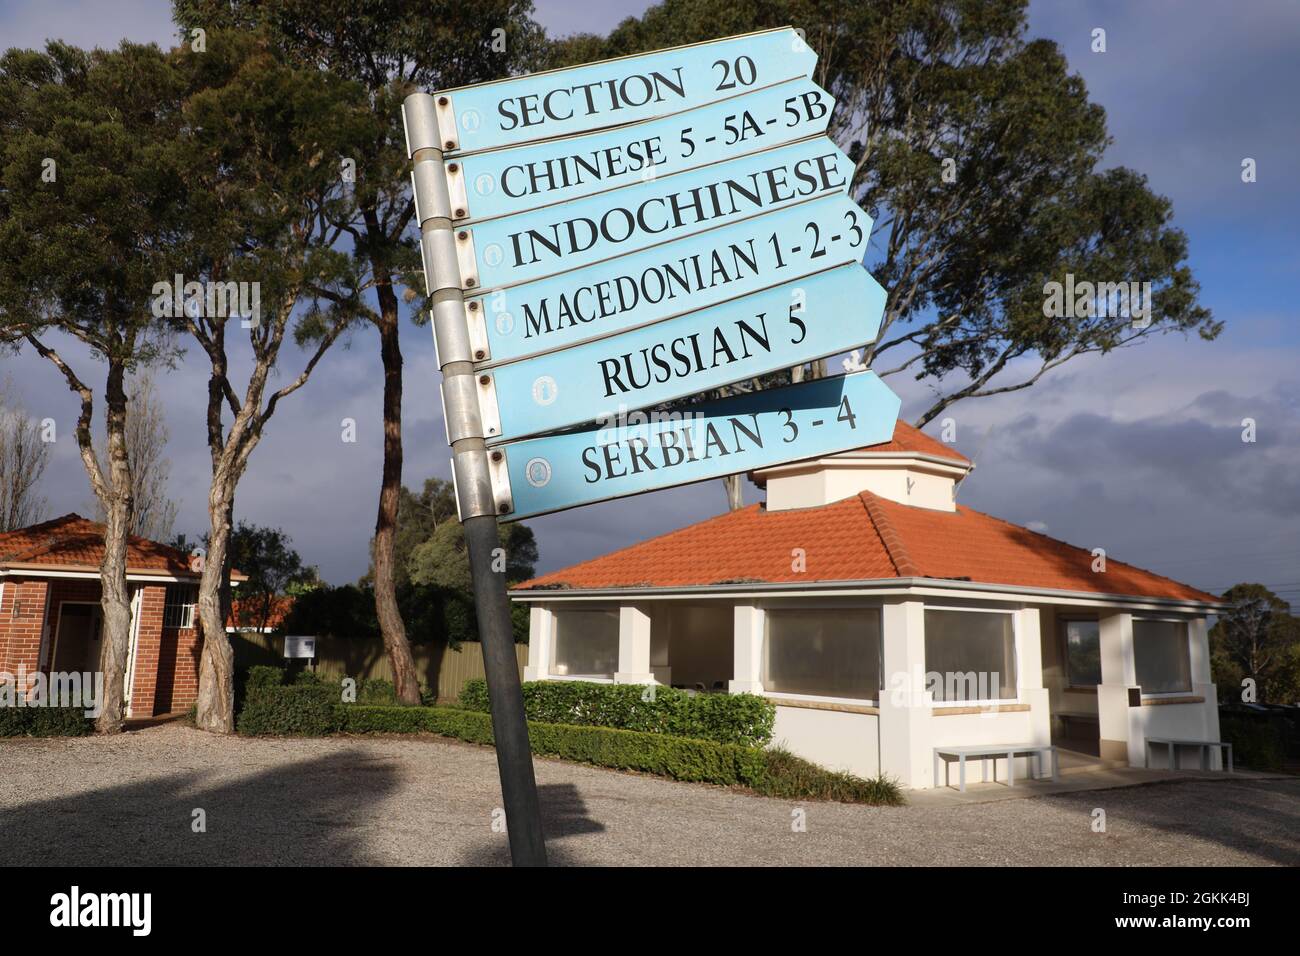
609,93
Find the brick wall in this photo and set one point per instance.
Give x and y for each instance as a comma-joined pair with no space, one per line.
22,620
167,659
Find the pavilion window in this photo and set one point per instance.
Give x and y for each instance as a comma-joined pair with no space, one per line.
1082,653
970,655
822,652
1162,656
586,643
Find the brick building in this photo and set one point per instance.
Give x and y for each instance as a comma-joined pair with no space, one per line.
50,617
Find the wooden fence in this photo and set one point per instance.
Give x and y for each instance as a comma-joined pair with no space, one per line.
437,665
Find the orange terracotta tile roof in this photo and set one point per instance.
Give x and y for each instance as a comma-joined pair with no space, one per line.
861,538
910,438
72,542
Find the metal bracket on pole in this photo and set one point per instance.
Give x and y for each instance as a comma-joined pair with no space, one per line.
448,257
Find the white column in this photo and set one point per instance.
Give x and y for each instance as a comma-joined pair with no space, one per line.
1029,673
1203,686
1118,674
541,634
633,646
906,750
747,634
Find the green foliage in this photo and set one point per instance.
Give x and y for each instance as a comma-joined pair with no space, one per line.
300,710
1257,741
1256,637
979,156
44,722
429,544
273,567
377,692
726,718
263,676
701,761
789,777
313,708
431,614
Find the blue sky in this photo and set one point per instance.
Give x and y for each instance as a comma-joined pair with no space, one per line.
1138,452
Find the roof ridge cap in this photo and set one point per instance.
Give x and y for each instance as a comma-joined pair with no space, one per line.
889,537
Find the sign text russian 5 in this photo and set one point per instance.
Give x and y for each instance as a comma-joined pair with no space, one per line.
777,328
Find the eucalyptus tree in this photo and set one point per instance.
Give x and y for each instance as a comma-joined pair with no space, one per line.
90,204
389,47
979,156
265,196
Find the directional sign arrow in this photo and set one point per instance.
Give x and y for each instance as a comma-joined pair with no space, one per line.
667,279
562,238
629,89
696,442
508,181
785,325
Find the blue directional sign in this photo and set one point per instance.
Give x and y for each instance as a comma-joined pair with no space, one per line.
695,442
668,279
568,236
508,181
786,325
609,93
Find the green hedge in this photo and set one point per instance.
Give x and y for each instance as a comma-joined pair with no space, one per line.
1257,743
700,761
313,708
44,722
744,719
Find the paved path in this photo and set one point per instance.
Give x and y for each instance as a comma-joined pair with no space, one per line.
425,801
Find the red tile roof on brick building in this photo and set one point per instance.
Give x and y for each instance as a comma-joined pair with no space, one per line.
863,538
73,543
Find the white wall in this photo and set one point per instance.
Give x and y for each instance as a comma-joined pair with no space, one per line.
907,481
837,741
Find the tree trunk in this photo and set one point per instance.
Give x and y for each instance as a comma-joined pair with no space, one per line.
216,703
115,597
735,492
406,681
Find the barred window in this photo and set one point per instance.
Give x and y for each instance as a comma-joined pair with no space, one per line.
178,608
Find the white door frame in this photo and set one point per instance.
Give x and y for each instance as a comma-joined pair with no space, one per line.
132,645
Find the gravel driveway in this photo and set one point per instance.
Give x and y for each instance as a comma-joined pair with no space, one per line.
353,800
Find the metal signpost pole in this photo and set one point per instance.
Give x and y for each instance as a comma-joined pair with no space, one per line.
475,499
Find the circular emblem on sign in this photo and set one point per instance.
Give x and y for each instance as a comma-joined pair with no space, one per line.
538,472
469,120
505,323
493,254
484,184
545,390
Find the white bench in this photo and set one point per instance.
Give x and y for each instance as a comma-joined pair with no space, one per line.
1173,743
1009,751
